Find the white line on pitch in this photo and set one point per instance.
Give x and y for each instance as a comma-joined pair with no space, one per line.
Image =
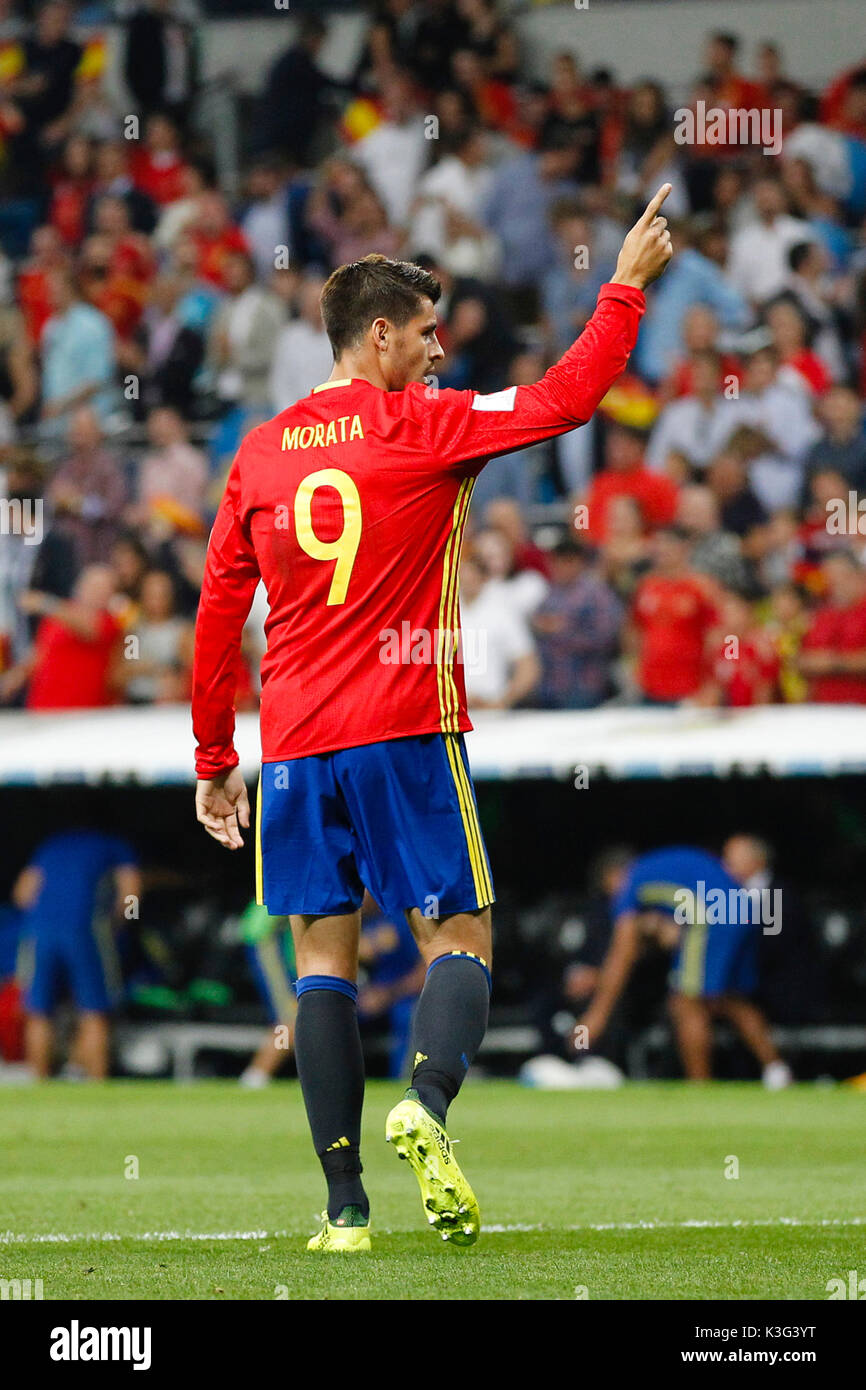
157,1237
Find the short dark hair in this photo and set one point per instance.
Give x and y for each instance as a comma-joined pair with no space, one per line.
374,287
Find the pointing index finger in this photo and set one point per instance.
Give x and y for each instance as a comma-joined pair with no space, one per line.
654,205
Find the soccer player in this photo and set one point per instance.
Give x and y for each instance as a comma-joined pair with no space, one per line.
77,883
351,506
685,900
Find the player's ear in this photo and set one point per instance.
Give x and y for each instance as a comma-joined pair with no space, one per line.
380,330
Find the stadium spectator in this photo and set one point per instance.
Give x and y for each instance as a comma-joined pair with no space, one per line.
625,474
758,259
787,624
166,351
294,103
570,287
714,551
154,665
741,666
172,472
478,339
158,168
625,552
833,651
395,152
505,515
813,289
446,214
693,278
113,179
35,555
216,238
77,349
33,289
784,415
243,335
160,59
842,443
727,477
670,618
500,665
38,100
576,627
522,588
701,333
517,210
18,377
88,491
799,366
302,356
75,889
697,425
70,663
72,190
646,153
265,220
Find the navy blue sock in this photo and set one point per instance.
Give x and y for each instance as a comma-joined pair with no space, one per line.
331,1071
450,1022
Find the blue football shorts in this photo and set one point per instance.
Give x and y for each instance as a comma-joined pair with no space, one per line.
397,817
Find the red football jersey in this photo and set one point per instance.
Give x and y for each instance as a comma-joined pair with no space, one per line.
351,507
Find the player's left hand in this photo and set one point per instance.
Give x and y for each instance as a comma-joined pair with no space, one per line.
222,807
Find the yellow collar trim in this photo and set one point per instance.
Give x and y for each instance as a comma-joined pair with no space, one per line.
326,385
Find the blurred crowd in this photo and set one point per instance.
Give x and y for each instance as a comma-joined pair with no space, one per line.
700,540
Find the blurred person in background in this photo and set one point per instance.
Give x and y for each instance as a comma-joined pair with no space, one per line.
697,425
792,335
166,352
394,970
522,589
576,627
787,623
158,167
701,333
302,355
505,514
153,665
784,416
77,349
77,886
727,477
478,336
790,972
217,239
833,651
715,962
38,555
70,664
742,668
271,957
447,211
243,336
842,442
395,152
295,102
671,615
714,551
265,219
625,474
758,263
37,100
88,491
695,278
72,189
160,59
625,551
112,177
570,288
19,381
172,469
500,666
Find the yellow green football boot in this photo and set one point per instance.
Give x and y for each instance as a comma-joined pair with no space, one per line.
448,1200
348,1235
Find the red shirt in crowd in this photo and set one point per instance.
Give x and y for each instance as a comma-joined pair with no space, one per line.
213,251
161,176
673,617
743,678
655,494
71,671
838,630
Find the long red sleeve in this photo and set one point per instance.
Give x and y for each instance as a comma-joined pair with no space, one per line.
230,578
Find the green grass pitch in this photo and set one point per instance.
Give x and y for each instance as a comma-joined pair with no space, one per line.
613,1195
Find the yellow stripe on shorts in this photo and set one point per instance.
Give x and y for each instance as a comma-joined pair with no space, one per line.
260,892
472,829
